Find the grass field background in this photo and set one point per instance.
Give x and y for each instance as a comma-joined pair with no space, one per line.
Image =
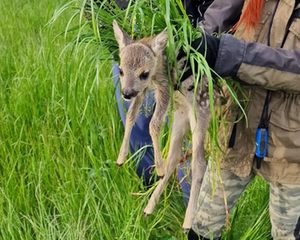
60,133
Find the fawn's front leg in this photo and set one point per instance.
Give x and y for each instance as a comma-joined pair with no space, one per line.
130,120
162,98
199,128
179,127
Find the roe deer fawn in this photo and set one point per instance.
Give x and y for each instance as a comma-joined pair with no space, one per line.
143,65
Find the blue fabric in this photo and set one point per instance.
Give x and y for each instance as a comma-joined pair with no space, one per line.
140,137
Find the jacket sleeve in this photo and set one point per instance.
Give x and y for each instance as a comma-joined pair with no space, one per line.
222,15
259,64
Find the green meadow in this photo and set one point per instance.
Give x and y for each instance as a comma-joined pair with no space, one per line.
60,133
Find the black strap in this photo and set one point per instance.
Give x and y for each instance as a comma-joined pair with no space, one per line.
295,14
264,119
233,134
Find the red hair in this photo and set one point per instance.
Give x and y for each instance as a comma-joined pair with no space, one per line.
250,15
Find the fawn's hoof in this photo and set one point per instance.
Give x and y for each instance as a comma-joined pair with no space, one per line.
146,214
185,230
161,177
119,165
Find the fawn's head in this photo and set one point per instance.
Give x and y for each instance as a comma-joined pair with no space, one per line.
138,61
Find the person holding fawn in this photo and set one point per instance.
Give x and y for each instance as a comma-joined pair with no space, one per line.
263,54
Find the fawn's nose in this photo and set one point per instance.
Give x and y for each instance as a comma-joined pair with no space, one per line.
127,95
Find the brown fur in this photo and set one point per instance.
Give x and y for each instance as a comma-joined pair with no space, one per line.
192,111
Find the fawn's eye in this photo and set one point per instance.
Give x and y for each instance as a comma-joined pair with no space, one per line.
121,72
144,75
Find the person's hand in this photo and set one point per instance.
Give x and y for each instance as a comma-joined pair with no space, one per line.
207,46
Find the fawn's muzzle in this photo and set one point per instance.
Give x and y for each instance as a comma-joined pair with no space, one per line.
129,95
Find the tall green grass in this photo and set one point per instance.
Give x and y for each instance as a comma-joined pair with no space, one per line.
60,133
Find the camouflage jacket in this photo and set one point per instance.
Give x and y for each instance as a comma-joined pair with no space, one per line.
269,59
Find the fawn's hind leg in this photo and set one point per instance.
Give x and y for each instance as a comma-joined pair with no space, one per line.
199,127
130,120
179,127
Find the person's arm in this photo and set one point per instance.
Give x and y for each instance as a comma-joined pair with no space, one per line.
256,63
253,63
222,15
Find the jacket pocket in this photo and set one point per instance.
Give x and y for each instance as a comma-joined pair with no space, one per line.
284,137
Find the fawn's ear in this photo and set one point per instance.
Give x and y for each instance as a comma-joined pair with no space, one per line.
159,42
122,37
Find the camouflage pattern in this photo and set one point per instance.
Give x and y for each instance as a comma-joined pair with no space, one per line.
211,216
285,211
